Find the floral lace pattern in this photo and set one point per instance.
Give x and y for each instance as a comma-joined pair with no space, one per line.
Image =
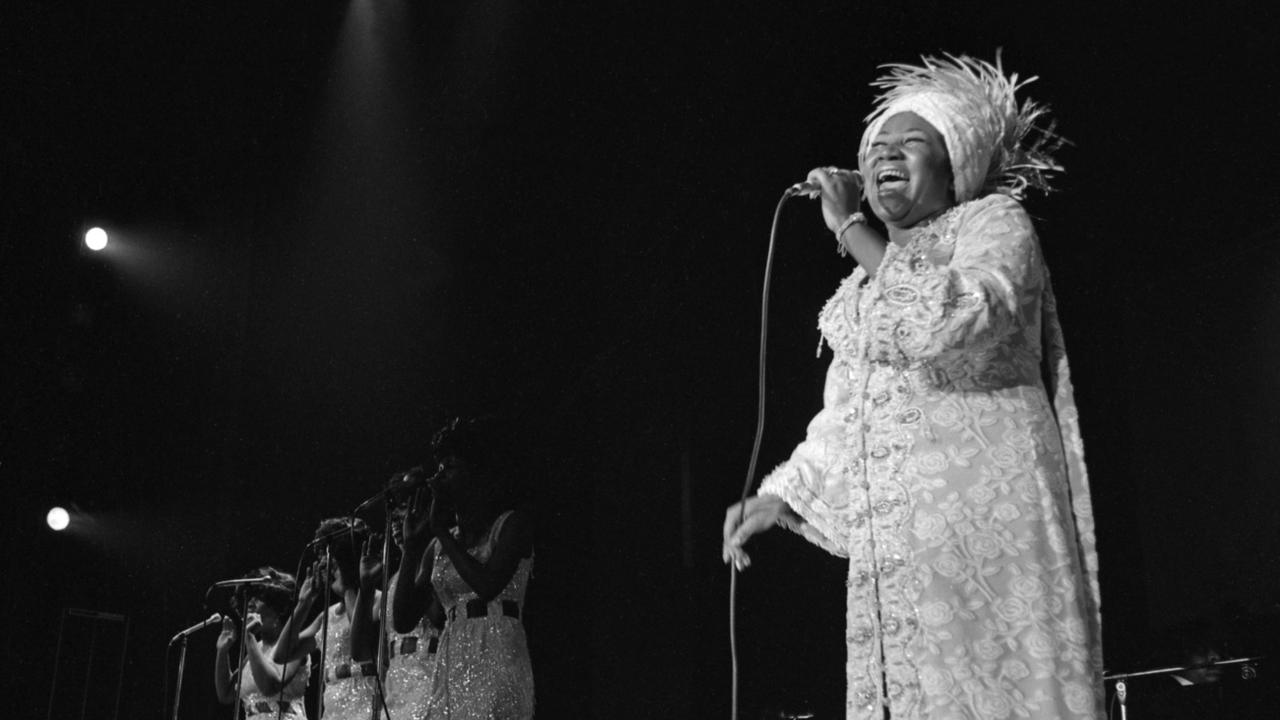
940,466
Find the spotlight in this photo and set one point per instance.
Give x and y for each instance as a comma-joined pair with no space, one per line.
96,238
58,519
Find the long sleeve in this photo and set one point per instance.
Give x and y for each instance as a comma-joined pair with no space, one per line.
806,484
811,482
927,310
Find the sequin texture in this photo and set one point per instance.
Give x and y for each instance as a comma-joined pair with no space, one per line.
292,695
483,670
349,698
410,669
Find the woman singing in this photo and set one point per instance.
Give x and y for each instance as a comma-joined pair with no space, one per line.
268,689
478,566
350,673
411,655
944,464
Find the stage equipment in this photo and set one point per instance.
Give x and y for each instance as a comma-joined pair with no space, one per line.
1248,671
182,655
95,239
90,653
58,519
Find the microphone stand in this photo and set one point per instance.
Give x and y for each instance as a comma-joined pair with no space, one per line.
1122,686
243,609
382,660
399,483
324,630
393,485
182,665
182,659
384,626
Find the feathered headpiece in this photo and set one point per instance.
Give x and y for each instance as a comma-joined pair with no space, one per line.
995,144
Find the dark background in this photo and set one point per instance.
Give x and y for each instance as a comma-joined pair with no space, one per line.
335,224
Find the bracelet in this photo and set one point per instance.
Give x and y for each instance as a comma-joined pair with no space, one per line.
850,221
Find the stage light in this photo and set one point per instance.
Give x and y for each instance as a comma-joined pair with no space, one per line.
96,238
58,519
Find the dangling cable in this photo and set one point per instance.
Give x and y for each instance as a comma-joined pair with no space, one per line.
755,448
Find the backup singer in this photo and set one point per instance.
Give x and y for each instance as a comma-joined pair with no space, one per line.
269,689
411,656
943,464
478,565
351,681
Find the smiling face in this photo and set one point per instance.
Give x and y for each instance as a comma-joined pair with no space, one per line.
908,171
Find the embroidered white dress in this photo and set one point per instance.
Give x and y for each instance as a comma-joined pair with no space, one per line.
941,467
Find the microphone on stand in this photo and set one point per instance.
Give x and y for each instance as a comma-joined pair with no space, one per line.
414,479
212,619
243,581
402,483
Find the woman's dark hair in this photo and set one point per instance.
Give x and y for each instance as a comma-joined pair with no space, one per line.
483,445
344,537
466,438
277,593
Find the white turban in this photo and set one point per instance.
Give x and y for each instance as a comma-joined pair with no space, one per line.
971,103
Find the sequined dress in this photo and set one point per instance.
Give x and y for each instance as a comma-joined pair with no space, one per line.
258,706
409,671
483,670
348,694
954,481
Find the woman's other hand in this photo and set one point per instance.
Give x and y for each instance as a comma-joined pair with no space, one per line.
253,624
417,523
761,513
370,564
228,634
307,588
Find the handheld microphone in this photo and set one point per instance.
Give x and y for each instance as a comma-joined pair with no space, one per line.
807,189
812,188
212,619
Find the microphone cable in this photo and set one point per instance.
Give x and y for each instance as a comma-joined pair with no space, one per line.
755,448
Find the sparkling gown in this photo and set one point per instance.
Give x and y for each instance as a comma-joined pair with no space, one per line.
258,706
483,670
409,672
954,481
348,694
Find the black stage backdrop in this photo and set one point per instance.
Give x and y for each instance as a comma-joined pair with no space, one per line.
337,223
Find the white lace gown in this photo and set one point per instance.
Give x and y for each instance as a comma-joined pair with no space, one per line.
954,481
482,667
